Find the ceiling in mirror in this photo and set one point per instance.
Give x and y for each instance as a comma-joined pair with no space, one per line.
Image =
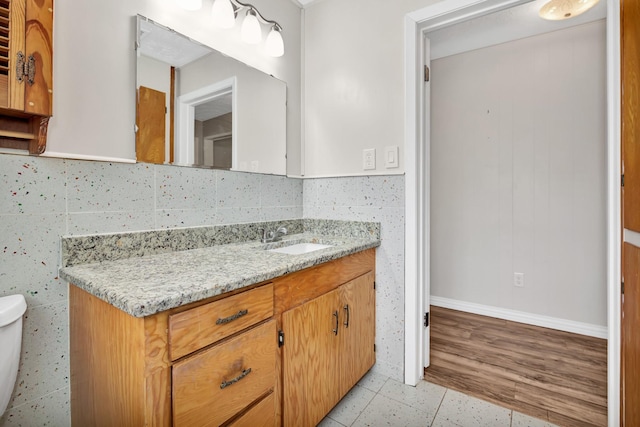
198,107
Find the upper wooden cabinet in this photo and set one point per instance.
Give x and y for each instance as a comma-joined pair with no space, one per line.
26,73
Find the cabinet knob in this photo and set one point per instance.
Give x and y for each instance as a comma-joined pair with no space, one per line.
335,330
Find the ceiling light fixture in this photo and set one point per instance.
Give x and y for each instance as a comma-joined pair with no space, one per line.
224,13
557,10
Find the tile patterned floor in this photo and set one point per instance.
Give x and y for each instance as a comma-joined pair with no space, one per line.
380,401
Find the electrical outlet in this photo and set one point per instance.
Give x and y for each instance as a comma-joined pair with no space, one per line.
518,280
369,159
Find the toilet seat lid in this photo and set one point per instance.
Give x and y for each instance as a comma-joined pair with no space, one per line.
12,307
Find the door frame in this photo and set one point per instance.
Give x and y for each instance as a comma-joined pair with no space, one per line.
186,105
417,149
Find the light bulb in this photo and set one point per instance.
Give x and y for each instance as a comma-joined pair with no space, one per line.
251,31
190,4
556,10
223,14
274,44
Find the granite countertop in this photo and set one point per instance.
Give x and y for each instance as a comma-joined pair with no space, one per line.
146,285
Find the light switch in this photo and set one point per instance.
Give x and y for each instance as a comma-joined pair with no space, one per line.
391,156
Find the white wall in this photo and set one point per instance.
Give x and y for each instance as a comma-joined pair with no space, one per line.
518,175
94,69
353,83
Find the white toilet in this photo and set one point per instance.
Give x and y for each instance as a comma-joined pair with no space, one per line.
12,308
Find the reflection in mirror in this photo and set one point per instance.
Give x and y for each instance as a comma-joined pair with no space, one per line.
196,106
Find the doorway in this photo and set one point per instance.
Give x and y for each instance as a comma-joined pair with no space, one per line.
417,206
200,106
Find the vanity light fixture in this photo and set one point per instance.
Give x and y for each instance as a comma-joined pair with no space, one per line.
274,44
251,31
557,10
224,13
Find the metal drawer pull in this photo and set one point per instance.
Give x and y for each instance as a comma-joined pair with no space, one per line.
346,320
236,379
232,317
335,331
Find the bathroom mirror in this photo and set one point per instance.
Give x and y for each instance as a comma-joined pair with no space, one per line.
198,107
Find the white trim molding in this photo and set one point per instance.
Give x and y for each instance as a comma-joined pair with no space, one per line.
522,317
68,156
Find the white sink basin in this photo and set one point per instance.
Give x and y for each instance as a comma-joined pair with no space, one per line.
300,248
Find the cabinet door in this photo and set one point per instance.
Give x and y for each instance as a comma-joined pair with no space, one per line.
38,93
358,330
310,371
26,55
12,19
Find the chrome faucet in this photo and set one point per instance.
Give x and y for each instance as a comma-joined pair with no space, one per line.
273,236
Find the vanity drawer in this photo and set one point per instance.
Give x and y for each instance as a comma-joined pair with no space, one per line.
194,329
263,414
211,387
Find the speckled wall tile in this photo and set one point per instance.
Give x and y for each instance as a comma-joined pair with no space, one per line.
52,409
237,214
31,185
174,218
386,190
185,188
279,213
340,192
29,257
44,363
107,187
280,191
238,190
109,222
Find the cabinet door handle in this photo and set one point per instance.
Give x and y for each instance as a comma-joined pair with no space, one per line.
243,374
232,317
346,320
335,314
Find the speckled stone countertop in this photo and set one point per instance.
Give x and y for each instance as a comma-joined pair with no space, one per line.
145,285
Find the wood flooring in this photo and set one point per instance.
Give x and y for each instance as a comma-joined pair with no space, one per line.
556,376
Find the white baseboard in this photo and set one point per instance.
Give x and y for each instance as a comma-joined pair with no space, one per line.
522,317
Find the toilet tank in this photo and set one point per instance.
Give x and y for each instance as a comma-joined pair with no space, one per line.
12,308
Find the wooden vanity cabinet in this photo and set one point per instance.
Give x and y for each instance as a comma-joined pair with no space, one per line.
279,353
26,73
